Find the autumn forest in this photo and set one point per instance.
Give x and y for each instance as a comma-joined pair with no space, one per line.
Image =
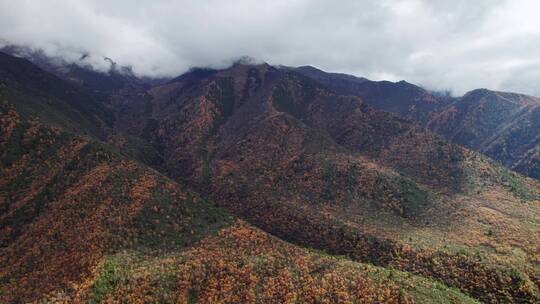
262,184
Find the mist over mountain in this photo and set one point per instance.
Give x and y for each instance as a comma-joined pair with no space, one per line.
457,46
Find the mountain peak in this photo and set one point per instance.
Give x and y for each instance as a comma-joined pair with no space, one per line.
479,91
498,96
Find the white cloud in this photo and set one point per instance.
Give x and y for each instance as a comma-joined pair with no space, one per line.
458,45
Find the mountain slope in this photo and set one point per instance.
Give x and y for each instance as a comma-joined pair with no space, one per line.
314,167
402,98
284,153
38,93
245,265
101,84
67,200
81,223
498,124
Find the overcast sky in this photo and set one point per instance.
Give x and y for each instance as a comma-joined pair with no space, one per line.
458,45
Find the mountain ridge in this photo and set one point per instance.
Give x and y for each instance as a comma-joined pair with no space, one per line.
469,120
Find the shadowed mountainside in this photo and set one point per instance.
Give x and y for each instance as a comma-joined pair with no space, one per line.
39,93
498,124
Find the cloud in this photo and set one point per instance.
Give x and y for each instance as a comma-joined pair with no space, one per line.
458,45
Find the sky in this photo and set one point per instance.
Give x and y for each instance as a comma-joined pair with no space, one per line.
456,45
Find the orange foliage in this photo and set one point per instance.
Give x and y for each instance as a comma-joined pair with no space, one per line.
245,265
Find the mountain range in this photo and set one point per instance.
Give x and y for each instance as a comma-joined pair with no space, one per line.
262,184
500,125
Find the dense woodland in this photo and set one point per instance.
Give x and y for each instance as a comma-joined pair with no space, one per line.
254,184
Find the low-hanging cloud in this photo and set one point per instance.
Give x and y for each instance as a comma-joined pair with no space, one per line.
457,45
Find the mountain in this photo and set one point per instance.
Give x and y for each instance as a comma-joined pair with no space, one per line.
498,124
253,184
314,167
401,98
67,201
99,83
39,93
80,221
